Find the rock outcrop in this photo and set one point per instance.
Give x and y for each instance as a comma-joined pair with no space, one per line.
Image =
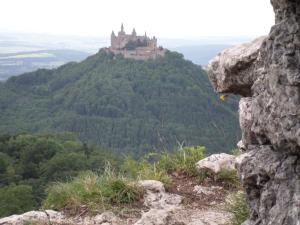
216,162
162,204
166,208
42,216
50,217
266,73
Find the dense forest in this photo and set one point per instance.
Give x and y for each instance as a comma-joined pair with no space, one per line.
29,163
122,104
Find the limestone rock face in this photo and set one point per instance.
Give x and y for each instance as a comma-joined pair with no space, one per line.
267,73
238,61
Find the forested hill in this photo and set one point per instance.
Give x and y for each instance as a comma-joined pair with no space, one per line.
122,104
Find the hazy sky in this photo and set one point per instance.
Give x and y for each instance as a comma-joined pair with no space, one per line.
162,18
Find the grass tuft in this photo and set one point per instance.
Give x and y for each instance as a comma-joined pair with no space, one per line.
144,170
236,152
229,178
93,191
182,160
100,192
158,166
236,204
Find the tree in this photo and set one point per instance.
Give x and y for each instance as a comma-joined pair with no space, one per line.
16,199
64,165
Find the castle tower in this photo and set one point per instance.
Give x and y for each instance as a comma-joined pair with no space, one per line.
154,40
152,43
122,32
113,40
134,32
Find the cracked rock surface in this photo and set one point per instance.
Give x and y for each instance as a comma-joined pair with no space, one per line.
266,73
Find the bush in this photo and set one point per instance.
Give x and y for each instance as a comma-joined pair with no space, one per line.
229,178
94,191
144,170
236,152
117,190
157,166
16,199
237,205
182,160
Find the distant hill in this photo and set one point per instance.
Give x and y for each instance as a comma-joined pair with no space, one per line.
29,52
27,61
16,63
201,54
122,104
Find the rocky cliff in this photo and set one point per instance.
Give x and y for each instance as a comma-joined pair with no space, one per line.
266,73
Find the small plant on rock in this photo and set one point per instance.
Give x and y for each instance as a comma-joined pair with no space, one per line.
236,204
144,170
182,160
229,178
236,152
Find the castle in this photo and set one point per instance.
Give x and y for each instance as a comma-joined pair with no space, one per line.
134,46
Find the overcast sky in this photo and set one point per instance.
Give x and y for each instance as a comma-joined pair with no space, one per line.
162,18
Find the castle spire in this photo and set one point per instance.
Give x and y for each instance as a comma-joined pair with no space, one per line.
122,28
134,32
113,33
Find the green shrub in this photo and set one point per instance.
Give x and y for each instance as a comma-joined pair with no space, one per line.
182,160
237,205
84,189
117,190
152,172
157,166
16,199
94,191
229,178
144,170
236,152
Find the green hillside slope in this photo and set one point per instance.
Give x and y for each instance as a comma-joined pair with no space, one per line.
122,104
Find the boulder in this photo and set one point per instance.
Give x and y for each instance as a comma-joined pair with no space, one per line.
152,185
41,216
216,162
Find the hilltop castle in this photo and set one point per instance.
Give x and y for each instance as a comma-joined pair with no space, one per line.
134,46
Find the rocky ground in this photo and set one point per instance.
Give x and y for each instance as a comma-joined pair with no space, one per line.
187,202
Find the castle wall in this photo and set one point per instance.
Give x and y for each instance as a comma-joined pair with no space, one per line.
141,53
120,41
